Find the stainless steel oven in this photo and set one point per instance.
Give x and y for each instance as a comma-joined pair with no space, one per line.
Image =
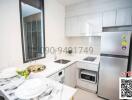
87,75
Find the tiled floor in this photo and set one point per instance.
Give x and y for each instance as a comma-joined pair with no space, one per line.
84,95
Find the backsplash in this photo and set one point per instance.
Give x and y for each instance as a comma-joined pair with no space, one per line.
86,43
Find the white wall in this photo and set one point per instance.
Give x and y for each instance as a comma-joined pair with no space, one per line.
86,42
55,24
10,32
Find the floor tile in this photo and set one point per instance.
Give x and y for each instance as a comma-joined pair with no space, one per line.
84,95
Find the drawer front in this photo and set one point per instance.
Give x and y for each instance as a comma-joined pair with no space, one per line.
88,66
86,85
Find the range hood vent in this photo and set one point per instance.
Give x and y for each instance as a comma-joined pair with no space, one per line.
117,28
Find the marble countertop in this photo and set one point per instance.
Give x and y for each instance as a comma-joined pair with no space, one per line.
53,67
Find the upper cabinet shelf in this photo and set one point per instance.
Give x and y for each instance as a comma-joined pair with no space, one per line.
124,16
91,24
117,17
109,18
85,25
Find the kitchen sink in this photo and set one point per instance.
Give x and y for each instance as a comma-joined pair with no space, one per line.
90,59
62,61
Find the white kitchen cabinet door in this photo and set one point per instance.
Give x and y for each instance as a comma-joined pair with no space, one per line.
72,26
109,18
95,22
70,75
77,26
84,27
67,26
124,16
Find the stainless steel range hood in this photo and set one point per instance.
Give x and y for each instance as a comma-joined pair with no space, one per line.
117,28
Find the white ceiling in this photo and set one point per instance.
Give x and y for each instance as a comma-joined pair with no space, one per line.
70,2
29,10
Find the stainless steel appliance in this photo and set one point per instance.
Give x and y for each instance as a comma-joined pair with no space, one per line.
89,76
115,47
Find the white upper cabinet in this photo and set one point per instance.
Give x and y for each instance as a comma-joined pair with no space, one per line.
85,25
89,20
109,18
95,21
117,17
70,75
124,16
72,26
76,26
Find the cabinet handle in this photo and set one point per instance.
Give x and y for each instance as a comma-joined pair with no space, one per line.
60,73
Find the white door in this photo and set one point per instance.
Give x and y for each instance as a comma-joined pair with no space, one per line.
95,20
67,26
83,25
111,69
72,26
124,16
70,75
109,18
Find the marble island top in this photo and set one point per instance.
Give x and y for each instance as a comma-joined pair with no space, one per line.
60,91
